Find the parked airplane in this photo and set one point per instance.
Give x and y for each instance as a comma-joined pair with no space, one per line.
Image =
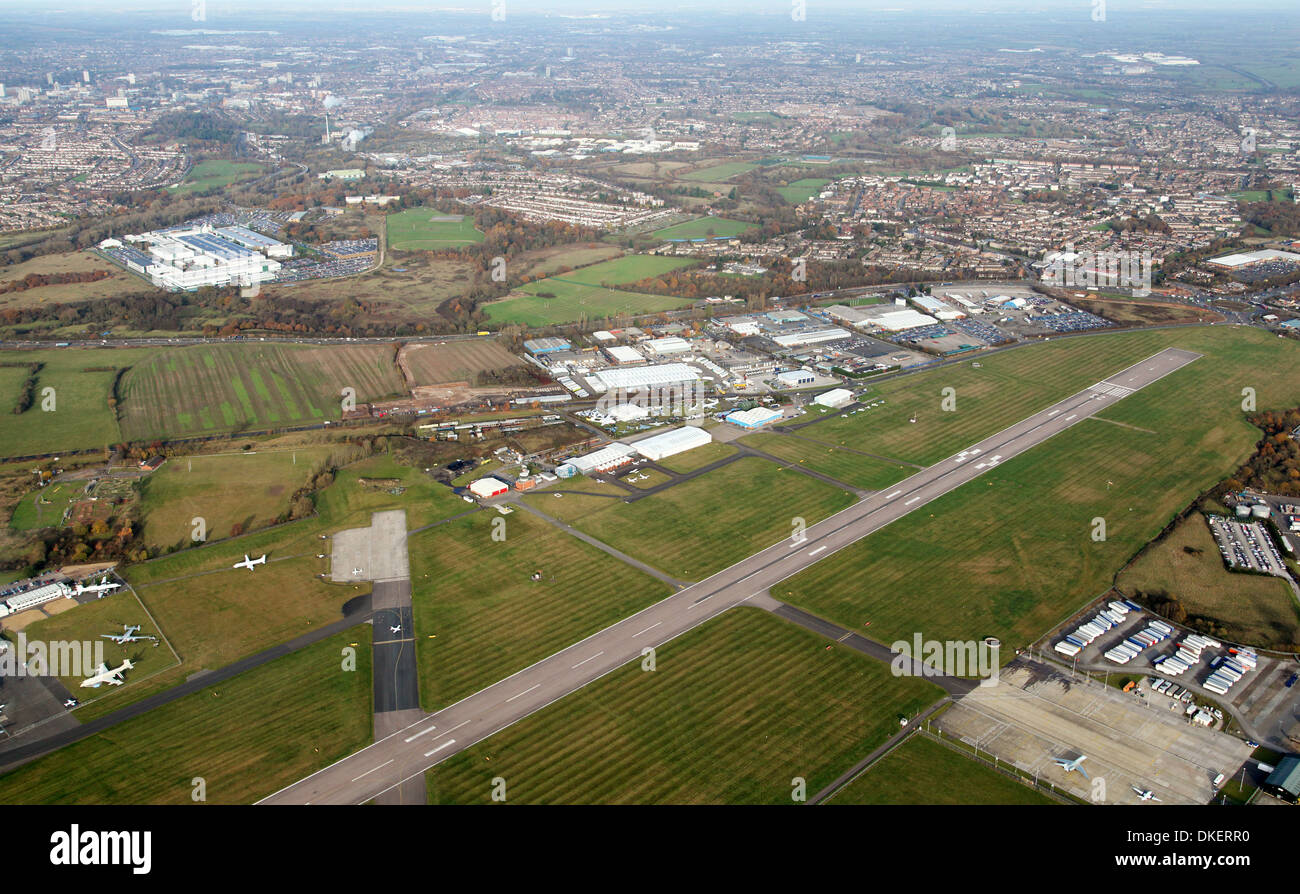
1072,764
1145,794
127,635
113,676
70,703
100,588
249,563
397,629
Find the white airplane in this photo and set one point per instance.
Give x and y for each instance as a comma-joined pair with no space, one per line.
70,703
397,629
1071,765
113,676
1144,794
249,563
100,588
356,571
127,635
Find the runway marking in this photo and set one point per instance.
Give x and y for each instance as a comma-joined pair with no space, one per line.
371,770
389,642
894,494
651,627
585,660
1053,413
447,744
1071,416
911,501
525,692
457,726
423,732
817,550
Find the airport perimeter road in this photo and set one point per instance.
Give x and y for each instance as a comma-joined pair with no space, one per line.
409,752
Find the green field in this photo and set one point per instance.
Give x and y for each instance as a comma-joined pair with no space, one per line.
230,388
249,489
921,771
588,293
419,229
246,738
216,173
801,190
702,228
717,173
1252,609
44,508
1011,553
733,712
81,415
481,617
841,464
703,525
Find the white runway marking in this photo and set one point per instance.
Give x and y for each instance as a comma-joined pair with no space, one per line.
585,660
447,744
423,732
911,501
525,692
373,769
651,627
894,494
817,550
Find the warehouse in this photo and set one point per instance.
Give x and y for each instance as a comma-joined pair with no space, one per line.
835,398
795,378
539,346
624,354
755,418
1284,782
670,443
670,345
813,337
485,488
604,459
658,376
34,597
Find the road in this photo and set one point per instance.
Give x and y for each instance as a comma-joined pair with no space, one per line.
409,752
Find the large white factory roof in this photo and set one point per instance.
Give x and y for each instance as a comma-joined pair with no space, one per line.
625,354
1254,257
605,458
900,320
647,376
670,345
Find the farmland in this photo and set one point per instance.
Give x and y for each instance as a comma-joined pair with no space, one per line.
476,597
216,173
246,737
702,228
453,361
703,525
225,388
587,293
711,724
418,229
119,282
921,771
1016,544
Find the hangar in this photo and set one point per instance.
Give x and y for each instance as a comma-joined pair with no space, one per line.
670,443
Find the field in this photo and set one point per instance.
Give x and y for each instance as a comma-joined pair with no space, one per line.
453,361
700,456
246,738
735,710
231,388
1144,313
216,173
801,190
588,293
44,508
118,283
248,489
701,526
82,417
921,771
720,172
702,228
841,464
1012,552
1253,610
479,615
418,229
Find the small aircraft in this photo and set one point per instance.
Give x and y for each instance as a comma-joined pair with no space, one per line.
249,563
112,676
1144,794
100,589
356,571
127,635
1072,764
70,703
396,629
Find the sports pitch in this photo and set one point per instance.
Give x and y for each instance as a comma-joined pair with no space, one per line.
422,229
703,228
589,292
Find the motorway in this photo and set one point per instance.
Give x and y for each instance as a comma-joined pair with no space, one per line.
411,751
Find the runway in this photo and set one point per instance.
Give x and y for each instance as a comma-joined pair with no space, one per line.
412,750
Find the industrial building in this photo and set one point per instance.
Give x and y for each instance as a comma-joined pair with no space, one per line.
835,398
485,488
539,346
669,345
602,460
812,337
34,597
624,354
188,258
670,443
658,376
795,378
1284,781
755,418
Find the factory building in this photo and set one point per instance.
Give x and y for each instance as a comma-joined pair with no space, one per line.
670,345
813,337
34,597
670,443
539,346
795,378
835,398
755,418
603,460
187,259
624,354
657,376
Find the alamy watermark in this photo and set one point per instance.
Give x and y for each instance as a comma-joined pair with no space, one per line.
946,658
